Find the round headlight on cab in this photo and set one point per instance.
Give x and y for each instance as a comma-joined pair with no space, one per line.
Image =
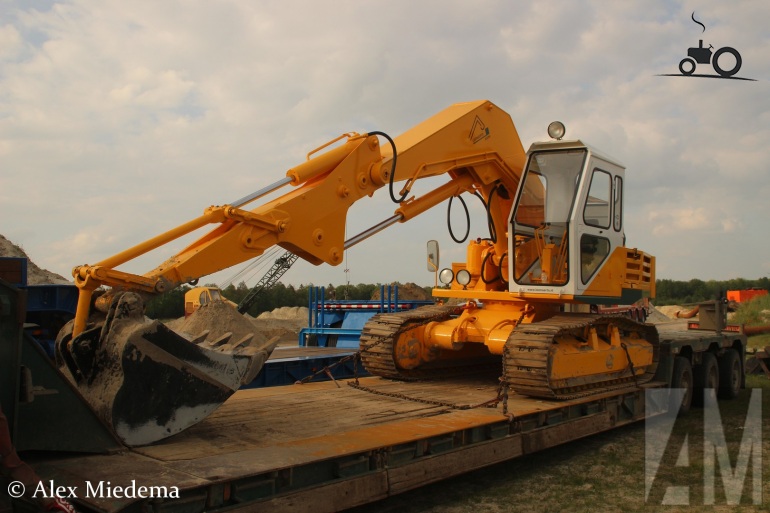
556,130
446,276
463,277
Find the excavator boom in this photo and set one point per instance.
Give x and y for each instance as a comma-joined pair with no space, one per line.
118,360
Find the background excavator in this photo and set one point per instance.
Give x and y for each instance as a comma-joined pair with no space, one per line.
555,216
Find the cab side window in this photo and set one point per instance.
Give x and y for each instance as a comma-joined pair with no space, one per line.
598,205
593,251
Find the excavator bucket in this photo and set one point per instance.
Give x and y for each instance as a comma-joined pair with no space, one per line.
148,382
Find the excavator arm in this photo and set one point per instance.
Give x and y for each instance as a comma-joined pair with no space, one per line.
475,145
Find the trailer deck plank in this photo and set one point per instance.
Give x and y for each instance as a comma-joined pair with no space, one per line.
262,417
280,442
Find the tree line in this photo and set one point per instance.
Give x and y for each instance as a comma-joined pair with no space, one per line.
668,292
673,292
171,304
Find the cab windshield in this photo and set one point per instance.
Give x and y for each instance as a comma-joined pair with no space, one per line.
541,216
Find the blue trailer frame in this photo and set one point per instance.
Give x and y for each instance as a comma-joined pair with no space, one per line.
48,307
338,323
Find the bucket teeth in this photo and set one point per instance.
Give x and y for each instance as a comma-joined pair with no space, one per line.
147,382
200,338
244,342
220,341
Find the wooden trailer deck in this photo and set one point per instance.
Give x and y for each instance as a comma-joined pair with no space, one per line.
329,446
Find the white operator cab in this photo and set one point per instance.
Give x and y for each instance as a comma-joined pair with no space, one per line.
567,218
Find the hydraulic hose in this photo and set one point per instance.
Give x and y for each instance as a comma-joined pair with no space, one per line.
500,268
490,221
392,168
449,220
483,268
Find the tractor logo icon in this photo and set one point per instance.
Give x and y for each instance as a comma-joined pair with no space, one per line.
726,61
701,55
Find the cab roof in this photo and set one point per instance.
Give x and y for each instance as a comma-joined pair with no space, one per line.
572,145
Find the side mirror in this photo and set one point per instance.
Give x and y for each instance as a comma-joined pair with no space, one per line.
433,256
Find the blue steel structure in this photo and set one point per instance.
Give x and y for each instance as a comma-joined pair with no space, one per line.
48,307
338,323
279,370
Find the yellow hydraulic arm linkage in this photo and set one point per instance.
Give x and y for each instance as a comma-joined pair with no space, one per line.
474,144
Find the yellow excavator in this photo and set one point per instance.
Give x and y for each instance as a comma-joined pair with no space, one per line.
556,242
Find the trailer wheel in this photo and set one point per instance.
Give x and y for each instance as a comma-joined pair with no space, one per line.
729,375
682,378
705,376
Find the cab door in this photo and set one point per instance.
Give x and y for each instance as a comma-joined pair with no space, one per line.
598,218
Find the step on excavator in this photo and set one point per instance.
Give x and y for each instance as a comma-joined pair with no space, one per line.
556,244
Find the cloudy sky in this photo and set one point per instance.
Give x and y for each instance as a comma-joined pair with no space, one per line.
120,120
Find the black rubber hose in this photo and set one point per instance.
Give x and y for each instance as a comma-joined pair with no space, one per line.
489,225
483,268
392,168
449,220
500,268
490,221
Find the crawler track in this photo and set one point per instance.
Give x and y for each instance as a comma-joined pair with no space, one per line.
381,332
530,349
529,352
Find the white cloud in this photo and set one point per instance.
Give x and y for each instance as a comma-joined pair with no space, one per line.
119,120
712,220
10,42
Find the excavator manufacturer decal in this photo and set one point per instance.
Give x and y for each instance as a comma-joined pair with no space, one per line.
479,131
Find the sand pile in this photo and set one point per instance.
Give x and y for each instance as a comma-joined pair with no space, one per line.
655,316
284,323
218,318
35,275
286,313
407,291
671,310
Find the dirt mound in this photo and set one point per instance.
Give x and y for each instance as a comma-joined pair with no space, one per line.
218,318
284,323
407,291
671,310
287,313
656,316
35,275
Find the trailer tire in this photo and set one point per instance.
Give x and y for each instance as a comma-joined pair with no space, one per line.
705,376
729,375
682,378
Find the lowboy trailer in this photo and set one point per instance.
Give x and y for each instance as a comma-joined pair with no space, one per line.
339,444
